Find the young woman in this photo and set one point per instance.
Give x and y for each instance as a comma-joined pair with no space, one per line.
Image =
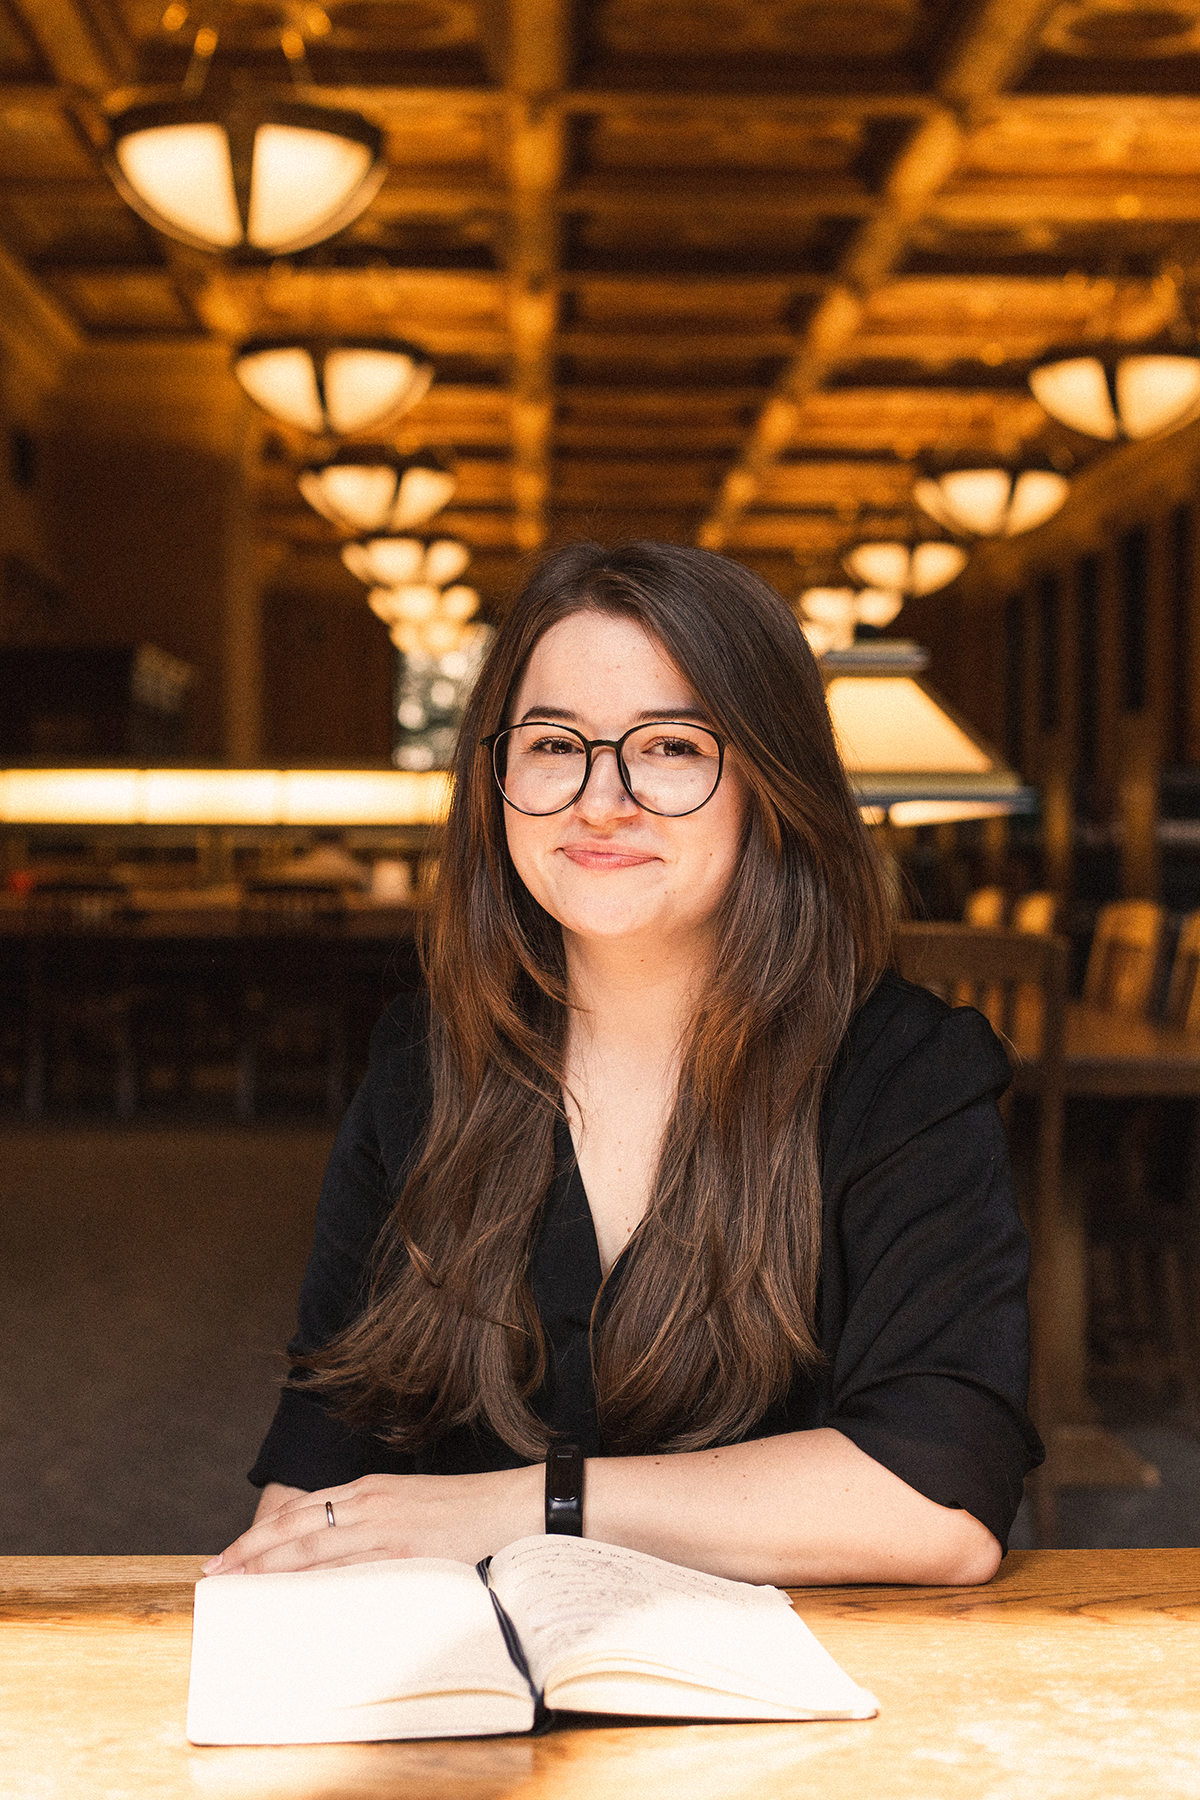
666,1166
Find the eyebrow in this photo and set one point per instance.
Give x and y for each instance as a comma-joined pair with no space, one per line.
560,712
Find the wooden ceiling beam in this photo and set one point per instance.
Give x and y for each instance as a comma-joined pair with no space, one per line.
1099,199
82,56
538,69
998,40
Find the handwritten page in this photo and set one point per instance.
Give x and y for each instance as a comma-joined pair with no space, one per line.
596,1619
381,1649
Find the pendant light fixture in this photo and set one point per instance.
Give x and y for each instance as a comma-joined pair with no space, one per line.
265,172
830,618
1113,393
910,759
991,502
371,490
392,562
907,569
333,386
273,175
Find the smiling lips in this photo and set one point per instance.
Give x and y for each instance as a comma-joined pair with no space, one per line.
602,857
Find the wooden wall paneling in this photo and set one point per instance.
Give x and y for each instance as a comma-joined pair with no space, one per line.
1140,621
1055,760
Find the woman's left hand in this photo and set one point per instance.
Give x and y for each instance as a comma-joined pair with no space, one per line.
465,1517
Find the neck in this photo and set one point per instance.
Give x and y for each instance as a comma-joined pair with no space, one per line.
634,997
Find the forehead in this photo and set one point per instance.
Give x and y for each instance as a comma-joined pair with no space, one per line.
591,654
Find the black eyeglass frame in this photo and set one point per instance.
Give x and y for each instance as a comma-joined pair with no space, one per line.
617,746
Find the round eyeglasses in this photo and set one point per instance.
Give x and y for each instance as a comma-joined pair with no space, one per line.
669,767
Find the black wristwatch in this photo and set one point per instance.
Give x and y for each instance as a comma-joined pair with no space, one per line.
564,1490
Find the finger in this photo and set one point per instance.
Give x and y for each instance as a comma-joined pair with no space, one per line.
316,1550
305,1514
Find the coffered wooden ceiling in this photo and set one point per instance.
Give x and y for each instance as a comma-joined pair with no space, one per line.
708,270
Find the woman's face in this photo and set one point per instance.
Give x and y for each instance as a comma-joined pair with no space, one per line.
604,868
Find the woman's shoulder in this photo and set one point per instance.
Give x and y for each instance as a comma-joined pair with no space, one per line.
906,1061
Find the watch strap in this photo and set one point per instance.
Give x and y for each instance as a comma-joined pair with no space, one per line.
564,1490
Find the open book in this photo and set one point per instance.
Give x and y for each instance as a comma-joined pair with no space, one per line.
432,1648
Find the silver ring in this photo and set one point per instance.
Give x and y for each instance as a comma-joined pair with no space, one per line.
329,1518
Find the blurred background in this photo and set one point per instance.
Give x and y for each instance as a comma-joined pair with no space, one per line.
318,322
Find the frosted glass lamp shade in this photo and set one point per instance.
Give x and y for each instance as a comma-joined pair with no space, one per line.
906,568
392,561
338,388
829,615
277,175
992,502
371,491
1120,396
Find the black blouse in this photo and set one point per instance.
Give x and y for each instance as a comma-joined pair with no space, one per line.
923,1314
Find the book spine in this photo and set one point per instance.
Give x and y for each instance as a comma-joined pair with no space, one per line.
513,1645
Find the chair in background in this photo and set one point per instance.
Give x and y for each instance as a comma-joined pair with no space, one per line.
293,1035
1145,1234
1123,963
79,975
1036,912
1003,969
986,907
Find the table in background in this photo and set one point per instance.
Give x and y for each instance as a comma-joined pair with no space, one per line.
1075,1673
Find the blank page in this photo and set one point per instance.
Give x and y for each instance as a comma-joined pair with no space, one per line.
381,1649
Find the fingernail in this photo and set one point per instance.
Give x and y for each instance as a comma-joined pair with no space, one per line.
211,1566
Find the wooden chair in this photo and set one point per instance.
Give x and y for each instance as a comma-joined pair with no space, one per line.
1003,969
1183,990
1145,1241
1123,961
1036,912
986,907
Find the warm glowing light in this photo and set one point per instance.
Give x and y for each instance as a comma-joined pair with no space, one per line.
277,176
904,568
221,797
371,490
1133,396
945,812
992,502
344,387
391,562
889,724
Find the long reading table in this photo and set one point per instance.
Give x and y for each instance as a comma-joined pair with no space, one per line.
1075,1673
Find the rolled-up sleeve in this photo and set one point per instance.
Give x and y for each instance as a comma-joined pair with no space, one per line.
926,1265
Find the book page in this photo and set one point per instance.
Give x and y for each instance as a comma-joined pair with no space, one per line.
380,1649
595,1618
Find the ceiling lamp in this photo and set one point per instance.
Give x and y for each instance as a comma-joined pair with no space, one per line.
390,562
909,759
271,174
831,617
1114,394
337,388
425,621
370,489
992,503
906,569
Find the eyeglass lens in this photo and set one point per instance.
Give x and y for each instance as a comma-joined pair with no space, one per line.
671,769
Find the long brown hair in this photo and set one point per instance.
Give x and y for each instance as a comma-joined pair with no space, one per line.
715,1310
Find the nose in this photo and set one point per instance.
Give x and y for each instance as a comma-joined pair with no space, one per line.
604,794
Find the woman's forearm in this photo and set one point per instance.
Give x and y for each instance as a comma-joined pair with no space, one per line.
805,1507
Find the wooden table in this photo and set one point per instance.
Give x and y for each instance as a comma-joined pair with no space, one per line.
1075,1673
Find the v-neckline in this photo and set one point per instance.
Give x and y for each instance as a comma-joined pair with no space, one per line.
573,1197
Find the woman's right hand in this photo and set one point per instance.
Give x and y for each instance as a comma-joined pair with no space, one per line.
274,1495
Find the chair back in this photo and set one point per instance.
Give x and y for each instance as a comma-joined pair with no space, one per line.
1036,912
1017,979
986,906
1123,960
1183,994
